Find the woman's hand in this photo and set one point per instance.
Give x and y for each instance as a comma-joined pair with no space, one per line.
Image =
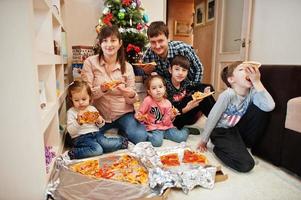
100,121
126,91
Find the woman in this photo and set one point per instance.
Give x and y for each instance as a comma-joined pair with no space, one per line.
113,101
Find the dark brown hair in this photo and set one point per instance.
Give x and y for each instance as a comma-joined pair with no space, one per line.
180,60
156,28
78,86
152,77
228,72
108,31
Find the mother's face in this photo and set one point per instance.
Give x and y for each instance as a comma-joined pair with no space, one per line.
110,45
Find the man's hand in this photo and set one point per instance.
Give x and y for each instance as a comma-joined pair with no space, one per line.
148,68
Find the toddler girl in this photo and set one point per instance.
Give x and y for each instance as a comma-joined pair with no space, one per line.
157,113
83,123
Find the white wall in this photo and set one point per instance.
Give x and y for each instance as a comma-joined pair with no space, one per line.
156,9
81,17
276,32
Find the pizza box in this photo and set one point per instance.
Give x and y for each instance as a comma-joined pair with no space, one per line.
220,176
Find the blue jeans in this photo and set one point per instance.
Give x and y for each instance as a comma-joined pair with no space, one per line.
85,146
129,126
173,134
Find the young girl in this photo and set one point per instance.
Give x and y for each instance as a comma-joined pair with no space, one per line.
84,132
157,113
114,101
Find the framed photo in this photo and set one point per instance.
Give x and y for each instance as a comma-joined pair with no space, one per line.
210,10
182,28
199,16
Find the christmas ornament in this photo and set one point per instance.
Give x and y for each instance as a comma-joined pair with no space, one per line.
121,15
106,10
133,5
139,26
126,2
145,18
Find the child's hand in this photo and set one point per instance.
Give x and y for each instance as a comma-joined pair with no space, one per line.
174,112
192,104
140,117
207,89
79,114
202,146
253,74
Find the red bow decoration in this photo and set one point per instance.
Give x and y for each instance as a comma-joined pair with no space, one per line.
126,2
107,19
133,47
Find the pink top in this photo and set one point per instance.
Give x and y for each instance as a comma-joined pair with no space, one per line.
112,104
158,114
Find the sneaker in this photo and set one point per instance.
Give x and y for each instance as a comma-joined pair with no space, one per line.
65,156
125,143
194,131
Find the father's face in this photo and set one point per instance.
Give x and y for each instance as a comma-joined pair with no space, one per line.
159,45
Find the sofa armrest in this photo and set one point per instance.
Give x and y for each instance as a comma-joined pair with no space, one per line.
293,115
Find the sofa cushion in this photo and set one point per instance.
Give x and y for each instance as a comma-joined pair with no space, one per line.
293,115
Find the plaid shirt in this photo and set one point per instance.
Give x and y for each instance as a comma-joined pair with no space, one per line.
176,48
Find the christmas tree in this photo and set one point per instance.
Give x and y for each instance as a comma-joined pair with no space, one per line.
131,19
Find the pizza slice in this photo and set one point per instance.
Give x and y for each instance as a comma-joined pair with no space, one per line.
170,160
194,157
252,63
144,64
200,95
112,84
89,117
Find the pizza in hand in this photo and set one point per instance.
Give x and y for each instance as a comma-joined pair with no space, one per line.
112,84
88,117
200,95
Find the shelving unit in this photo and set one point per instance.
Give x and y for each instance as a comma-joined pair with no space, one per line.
51,64
35,57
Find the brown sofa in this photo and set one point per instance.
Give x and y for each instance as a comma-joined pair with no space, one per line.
279,145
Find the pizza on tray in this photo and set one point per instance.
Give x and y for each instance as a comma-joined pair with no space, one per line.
170,160
126,169
194,157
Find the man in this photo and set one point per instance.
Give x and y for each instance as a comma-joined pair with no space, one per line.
163,51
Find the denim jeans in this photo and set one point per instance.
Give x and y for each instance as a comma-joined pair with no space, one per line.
173,134
85,146
129,126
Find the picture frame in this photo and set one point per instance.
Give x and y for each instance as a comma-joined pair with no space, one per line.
182,28
199,16
210,10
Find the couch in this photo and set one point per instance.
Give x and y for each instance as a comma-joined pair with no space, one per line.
280,144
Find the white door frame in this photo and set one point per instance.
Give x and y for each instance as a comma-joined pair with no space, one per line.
219,58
